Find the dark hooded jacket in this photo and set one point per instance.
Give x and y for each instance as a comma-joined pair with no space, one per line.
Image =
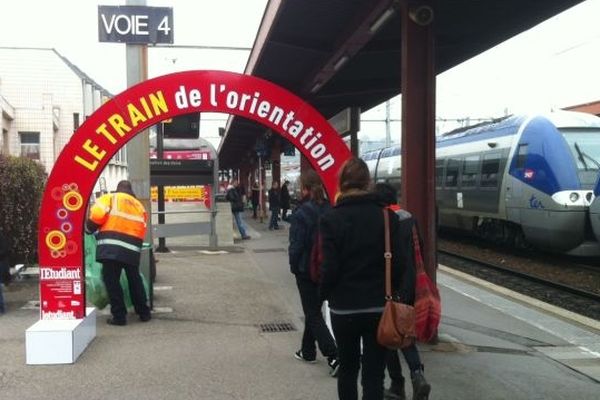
353,269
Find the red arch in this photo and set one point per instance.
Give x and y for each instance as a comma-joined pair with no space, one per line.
78,167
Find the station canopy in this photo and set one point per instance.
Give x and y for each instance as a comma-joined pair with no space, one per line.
347,53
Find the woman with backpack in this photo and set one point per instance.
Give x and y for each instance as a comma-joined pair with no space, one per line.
304,225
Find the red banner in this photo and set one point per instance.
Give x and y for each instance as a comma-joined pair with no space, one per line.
109,128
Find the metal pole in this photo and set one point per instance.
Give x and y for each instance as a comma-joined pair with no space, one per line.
213,239
138,148
162,242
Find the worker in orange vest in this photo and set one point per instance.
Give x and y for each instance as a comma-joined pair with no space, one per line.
120,220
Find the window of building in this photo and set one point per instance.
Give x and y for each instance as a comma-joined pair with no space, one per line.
30,145
75,121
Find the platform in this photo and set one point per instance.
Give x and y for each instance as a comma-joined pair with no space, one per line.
205,340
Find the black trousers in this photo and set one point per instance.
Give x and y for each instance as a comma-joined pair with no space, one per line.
392,361
111,274
349,330
315,328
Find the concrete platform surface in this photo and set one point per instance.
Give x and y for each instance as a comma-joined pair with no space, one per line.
205,339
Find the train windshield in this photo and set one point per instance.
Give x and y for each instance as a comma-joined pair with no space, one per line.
585,148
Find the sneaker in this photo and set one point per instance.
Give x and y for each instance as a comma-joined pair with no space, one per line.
395,392
421,388
246,237
300,356
145,317
334,364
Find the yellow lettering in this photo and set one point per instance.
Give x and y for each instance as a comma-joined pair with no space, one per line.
91,166
118,124
158,103
135,116
103,131
146,108
93,150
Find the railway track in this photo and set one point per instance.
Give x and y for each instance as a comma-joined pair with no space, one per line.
566,296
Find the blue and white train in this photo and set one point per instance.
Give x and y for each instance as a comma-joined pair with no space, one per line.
522,180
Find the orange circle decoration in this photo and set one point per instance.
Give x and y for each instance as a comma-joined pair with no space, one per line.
72,201
56,240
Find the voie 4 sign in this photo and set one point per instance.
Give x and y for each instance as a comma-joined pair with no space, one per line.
135,24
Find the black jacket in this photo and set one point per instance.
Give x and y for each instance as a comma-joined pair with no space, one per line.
303,223
274,200
353,270
235,198
285,197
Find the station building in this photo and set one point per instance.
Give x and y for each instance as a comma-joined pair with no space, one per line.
44,98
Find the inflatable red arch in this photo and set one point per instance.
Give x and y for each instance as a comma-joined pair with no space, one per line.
62,214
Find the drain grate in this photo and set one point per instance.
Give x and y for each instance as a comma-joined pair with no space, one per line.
273,327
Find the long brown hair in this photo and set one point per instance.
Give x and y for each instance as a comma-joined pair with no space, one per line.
312,183
354,174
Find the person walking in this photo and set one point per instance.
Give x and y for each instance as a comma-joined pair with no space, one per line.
303,224
274,205
285,200
353,278
421,388
255,199
4,269
237,207
120,220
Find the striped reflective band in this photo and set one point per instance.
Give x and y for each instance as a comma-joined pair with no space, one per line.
120,243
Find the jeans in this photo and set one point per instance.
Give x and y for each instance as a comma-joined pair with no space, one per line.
392,360
111,274
274,216
348,330
239,221
315,328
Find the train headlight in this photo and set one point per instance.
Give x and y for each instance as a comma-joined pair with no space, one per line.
574,197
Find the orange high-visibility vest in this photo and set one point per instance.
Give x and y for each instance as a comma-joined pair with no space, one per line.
121,223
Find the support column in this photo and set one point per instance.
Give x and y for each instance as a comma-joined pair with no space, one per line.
418,127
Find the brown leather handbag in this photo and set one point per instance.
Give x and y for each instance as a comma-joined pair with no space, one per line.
397,324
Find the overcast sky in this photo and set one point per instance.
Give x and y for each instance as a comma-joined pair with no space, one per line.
556,64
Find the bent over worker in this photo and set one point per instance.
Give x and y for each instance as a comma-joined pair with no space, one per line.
120,220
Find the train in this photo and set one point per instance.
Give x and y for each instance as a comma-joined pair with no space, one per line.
522,180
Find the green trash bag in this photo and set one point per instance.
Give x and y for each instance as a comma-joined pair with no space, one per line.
94,285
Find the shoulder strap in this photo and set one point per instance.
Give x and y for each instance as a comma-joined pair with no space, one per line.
387,255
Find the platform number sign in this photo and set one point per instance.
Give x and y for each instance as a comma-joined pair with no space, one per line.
135,24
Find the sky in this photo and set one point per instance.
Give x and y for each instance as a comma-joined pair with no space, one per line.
553,65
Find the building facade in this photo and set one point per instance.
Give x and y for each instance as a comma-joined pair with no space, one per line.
44,98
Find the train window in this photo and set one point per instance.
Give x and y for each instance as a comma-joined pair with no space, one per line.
490,168
452,172
396,151
522,155
439,172
470,170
